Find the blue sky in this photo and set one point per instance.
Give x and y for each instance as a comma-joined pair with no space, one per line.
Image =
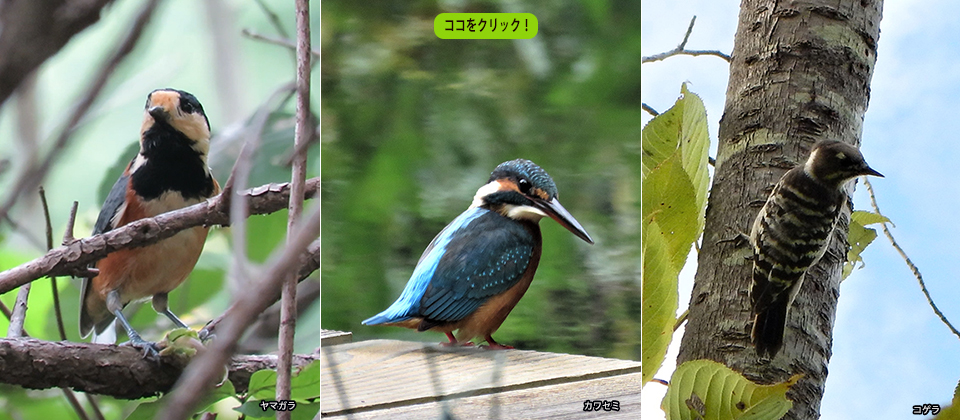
890,350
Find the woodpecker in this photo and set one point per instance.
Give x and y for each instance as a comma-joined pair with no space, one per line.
170,172
792,232
477,268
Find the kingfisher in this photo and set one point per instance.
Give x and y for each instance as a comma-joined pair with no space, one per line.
477,268
170,172
792,232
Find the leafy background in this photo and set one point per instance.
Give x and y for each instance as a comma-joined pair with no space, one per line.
890,351
232,76
413,125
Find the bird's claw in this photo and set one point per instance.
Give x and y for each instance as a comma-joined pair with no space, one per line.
496,346
150,349
458,344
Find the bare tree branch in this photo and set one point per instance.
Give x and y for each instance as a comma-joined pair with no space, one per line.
118,371
309,263
288,299
681,49
194,384
283,42
906,259
33,31
74,257
31,177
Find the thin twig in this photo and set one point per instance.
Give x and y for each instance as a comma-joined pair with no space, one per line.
906,259
74,258
71,222
203,371
30,236
31,177
308,264
15,329
649,109
53,279
283,42
681,49
274,19
288,297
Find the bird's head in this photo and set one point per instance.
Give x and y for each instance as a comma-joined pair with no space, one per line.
175,115
833,162
521,190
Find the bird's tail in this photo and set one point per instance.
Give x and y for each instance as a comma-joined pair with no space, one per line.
767,333
106,336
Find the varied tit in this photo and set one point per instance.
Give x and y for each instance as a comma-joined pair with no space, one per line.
170,172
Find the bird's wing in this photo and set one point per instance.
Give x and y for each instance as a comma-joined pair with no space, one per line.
105,222
475,257
486,258
112,205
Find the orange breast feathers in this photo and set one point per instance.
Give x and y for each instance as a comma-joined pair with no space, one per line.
139,273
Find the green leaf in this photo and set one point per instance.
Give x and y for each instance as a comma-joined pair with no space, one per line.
263,384
859,237
669,200
302,411
149,410
251,408
674,181
659,299
867,218
306,384
953,411
710,390
682,128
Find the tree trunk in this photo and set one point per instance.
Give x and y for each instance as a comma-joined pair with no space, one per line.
800,73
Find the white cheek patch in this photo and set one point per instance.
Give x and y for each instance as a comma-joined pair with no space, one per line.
808,167
524,212
484,191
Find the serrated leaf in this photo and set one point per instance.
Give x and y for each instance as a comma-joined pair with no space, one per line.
859,237
866,218
681,129
658,303
669,200
724,394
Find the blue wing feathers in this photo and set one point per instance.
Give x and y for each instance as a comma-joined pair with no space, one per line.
408,304
478,255
483,261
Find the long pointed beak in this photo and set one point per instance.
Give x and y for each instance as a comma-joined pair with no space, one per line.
870,171
555,210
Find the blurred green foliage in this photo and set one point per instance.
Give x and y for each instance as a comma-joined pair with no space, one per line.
412,125
180,48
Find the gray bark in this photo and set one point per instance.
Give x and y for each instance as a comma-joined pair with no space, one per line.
800,73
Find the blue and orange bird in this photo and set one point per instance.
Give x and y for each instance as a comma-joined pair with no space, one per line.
169,173
477,268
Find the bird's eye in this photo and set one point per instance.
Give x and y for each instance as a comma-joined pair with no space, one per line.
187,107
524,185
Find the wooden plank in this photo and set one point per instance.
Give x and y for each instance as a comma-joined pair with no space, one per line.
378,374
563,401
331,337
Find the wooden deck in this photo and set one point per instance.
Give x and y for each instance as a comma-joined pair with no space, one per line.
409,380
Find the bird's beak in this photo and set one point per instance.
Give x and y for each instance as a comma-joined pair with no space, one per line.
158,113
555,210
870,171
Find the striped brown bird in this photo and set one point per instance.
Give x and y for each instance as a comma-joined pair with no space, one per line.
792,231
169,173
